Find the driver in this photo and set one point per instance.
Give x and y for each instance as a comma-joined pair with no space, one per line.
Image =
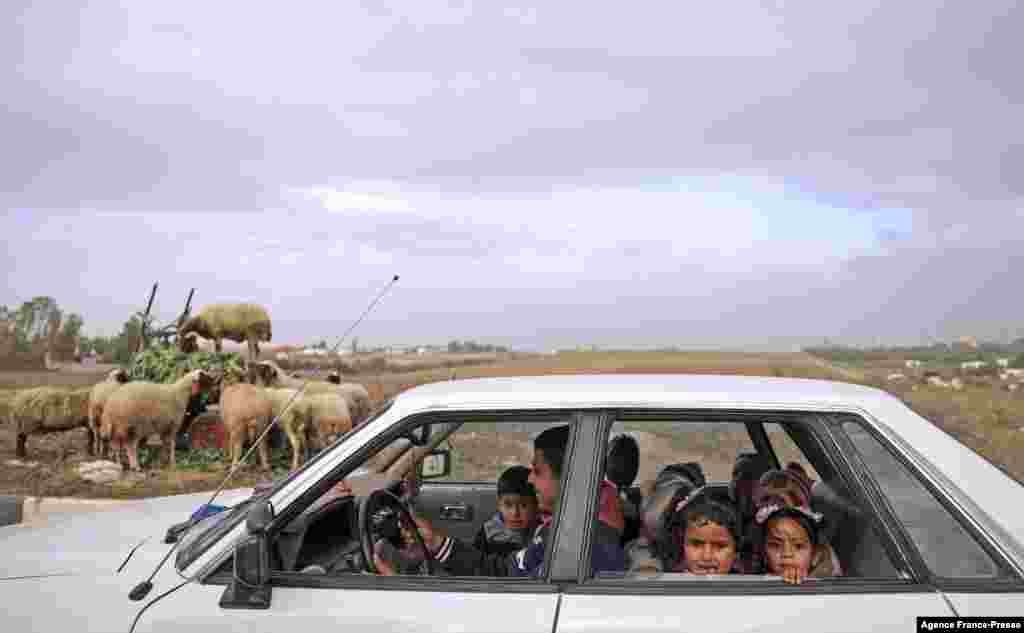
458,558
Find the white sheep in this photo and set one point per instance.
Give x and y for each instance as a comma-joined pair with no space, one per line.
47,410
270,374
296,420
329,416
239,322
137,410
97,398
246,410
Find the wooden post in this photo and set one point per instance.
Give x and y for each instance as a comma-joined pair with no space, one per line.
188,308
145,318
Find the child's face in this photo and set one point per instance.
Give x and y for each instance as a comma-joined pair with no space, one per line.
517,511
788,547
709,548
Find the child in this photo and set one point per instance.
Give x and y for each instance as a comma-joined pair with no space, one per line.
746,472
509,530
789,539
791,487
701,536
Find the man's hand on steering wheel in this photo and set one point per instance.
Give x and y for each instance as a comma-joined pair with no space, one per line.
431,538
428,540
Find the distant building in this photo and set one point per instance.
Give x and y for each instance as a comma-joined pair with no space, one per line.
1003,362
913,364
968,341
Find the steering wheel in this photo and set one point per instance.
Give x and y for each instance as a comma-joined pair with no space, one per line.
370,504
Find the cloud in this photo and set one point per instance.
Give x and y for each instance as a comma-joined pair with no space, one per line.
807,150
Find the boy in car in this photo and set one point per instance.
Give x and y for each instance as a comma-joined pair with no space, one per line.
511,527
457,558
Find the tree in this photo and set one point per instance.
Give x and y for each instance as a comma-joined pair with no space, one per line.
35,316
128,340
72,327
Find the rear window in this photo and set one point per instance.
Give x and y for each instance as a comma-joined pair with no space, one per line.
948,549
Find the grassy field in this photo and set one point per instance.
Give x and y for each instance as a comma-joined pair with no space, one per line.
986,419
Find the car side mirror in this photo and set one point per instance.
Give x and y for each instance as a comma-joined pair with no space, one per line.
250,583
437,463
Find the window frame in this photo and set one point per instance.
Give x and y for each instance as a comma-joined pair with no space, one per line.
220,573
1011,581
817,426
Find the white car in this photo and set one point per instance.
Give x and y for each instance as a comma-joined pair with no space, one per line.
923,526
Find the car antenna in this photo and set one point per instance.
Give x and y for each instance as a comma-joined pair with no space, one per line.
143,588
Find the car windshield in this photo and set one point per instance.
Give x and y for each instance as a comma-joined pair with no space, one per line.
207,530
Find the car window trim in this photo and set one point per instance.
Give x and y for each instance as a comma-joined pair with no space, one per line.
820,427
905,558
402,426
451,584
702,587
591,473
952,506
762,444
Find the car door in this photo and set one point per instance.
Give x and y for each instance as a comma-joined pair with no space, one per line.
458,508
361,603
673,602
364,602
461,501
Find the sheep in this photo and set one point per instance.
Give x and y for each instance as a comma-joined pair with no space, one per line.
97,398
296,420
46,410
139,409
239,322
246,410
329,416
268,373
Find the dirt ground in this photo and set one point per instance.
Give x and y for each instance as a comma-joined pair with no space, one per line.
988,420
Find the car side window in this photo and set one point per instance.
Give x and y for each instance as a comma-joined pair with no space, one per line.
947,547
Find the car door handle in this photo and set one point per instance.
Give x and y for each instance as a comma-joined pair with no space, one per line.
456,512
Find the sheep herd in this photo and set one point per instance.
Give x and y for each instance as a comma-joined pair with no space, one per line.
120,413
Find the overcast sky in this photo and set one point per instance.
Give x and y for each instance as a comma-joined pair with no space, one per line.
729,174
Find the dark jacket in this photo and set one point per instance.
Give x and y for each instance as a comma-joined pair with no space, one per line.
462,559
495,537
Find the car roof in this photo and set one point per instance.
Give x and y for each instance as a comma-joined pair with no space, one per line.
629,390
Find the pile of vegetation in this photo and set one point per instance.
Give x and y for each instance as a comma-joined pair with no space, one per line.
164,363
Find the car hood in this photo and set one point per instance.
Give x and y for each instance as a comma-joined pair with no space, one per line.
127,538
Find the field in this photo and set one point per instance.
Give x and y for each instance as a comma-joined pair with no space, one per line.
989,420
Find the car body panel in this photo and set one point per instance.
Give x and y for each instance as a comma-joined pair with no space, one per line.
972,605
99,543
194,608
766,614
84,604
